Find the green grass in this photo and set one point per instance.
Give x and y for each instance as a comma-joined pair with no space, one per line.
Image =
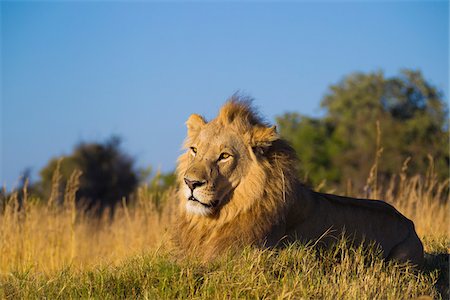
293,273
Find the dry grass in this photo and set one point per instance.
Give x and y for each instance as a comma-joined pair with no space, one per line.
47,237
50,250
298,272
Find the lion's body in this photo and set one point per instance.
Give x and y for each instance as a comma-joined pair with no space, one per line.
253,197
361,220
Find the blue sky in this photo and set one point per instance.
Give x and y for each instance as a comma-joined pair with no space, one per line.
82,71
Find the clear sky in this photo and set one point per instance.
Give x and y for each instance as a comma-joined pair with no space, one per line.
82,71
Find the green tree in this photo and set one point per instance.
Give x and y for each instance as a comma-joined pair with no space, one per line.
107,176
413,120
311,139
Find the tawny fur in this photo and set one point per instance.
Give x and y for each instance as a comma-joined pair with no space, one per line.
265,204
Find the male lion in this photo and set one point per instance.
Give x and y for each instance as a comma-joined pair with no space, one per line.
239,186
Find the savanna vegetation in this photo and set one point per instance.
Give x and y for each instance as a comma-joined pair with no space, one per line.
95,226
339,147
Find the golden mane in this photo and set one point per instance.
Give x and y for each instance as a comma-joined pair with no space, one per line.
261,199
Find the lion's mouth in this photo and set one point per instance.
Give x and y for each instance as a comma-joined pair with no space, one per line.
212,204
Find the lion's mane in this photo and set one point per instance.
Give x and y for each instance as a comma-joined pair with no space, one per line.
256,206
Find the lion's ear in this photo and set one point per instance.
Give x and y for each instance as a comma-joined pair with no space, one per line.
195,123
263,137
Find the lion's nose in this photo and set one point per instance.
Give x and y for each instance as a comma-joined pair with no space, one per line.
192,184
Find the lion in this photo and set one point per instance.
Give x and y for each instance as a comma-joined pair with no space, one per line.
238,185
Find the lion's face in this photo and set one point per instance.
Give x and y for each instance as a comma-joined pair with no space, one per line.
217,158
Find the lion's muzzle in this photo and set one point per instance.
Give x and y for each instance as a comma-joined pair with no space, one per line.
192,184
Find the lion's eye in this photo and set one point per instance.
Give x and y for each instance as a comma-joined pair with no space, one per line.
224,156
194,150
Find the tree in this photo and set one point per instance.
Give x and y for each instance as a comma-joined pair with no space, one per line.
107,174
310,138
413,120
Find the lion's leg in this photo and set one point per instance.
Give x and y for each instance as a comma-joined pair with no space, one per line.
411,249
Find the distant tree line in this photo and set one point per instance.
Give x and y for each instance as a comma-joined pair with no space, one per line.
341,145
106,176
338,147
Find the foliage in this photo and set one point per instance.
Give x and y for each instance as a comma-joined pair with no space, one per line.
107,175
413,120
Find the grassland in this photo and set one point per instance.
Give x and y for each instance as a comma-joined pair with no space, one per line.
50,250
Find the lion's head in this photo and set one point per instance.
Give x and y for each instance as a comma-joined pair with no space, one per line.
225,158
236,180
235,171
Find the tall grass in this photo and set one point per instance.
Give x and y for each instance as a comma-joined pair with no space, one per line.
49,249
47,236
298,272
